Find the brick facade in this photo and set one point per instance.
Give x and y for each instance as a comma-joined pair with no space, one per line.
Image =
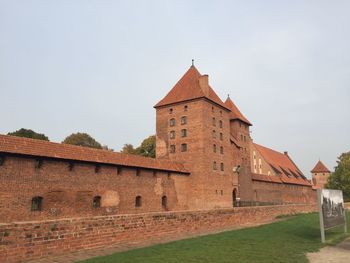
31,240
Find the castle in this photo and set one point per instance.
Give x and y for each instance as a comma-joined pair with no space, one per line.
205,159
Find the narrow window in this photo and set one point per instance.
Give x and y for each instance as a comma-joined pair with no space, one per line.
164,202
222,192
172,148
212,109
221,113
183,120
183,147
37,203
214,165
214,148
172,135
96,202
221,150
241,137
172,122
221,136
245,138
183,133
220,123
214,134
222,166
171,110
214,121
185,108
138,201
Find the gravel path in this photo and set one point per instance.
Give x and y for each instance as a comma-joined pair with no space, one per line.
337,254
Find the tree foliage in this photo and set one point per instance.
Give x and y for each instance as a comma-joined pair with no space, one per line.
147,148
82,139
340,178
29,134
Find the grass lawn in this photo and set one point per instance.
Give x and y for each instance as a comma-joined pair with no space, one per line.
284,241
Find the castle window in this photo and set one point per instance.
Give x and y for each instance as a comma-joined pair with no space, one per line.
37,203
220,123
38,163
183,147
212,109
214,134
138,201
214,148
222,192
221,113
241,137
185,108
221,150
172,122
172,148
183,133
183,120
171,110
164,202
221,136
245,138
172,135
221,166
96,202
214,166
214,121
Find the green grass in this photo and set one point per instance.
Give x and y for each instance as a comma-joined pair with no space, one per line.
285,241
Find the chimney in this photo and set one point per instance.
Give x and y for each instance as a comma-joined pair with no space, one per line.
204,84
286,153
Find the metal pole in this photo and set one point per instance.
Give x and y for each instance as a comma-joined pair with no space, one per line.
320,212
345,224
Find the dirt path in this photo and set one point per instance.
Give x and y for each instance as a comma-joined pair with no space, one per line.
337,254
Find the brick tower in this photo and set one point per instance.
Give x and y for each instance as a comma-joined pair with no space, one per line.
193,126
320,174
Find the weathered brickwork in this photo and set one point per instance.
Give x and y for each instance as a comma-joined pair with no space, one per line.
29,240
69,191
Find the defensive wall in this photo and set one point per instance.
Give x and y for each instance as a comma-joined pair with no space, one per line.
21,241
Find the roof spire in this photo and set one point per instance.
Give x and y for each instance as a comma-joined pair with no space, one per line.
228,96
192,62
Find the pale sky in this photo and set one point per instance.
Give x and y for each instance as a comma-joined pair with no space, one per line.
100,66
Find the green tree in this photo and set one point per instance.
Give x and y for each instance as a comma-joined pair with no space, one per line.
82,139
340,178
148,147
128,149
29,134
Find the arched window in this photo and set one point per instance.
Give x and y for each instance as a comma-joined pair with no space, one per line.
221,136
184,147
214,165
214,122
164,202
138,201
172,122
183,120
220,123
183,133
221,150
214,148
234,197
37,203
214,134
222,166
96,202
172,134
185,108
171,110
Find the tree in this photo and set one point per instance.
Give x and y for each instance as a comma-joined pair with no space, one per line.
128,149
82,139
340,178
147,148
29,134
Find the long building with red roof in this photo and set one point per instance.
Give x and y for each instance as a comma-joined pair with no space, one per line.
205,159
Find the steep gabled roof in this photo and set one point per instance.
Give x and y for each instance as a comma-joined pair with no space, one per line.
188,88
39,148
320,168
235,112
283,165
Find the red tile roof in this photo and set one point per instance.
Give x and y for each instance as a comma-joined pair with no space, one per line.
320,168
188,88
282,164
39,148
235,112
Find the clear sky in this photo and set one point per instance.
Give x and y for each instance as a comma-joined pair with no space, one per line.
100,66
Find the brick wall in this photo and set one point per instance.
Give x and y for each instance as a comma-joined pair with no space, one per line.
69,192
30,240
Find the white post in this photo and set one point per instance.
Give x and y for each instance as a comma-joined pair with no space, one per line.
320,212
